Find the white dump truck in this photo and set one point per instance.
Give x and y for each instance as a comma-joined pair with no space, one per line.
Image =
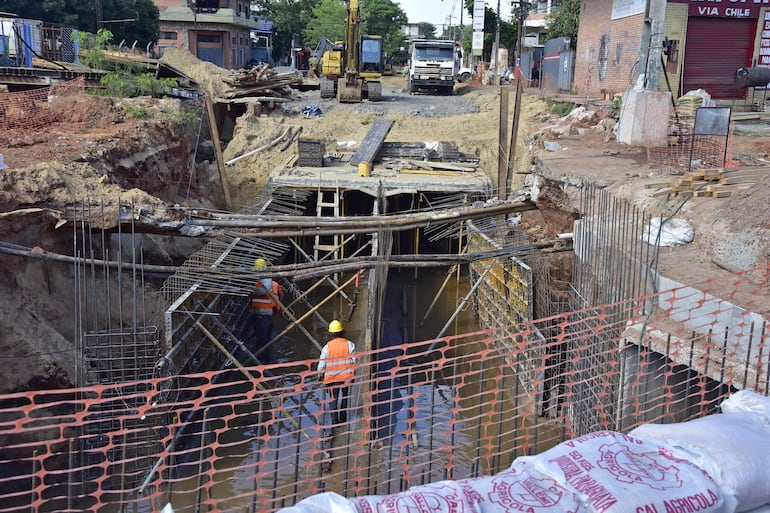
434,65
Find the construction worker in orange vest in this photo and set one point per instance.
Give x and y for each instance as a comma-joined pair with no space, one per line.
263,305
338,358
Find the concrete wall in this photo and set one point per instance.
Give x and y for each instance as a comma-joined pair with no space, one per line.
607,51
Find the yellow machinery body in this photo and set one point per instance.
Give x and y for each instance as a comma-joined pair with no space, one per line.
353,72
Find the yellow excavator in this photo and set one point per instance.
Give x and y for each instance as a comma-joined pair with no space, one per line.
352,71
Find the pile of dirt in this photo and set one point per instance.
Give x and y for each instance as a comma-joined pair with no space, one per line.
208,75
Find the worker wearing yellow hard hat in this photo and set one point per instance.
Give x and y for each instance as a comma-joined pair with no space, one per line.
337,364
264,304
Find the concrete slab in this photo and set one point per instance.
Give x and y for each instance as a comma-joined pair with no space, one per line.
392,182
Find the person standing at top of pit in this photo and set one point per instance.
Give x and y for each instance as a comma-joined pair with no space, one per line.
337,361
264,305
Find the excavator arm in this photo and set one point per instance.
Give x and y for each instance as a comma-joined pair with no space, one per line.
360,79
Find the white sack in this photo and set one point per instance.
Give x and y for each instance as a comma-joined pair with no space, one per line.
327,502
734,448
673,232
616,473
746,400
514,490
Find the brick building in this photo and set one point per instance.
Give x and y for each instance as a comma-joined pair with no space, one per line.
706,43
217,31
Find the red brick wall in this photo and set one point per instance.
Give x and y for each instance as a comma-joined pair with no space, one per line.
620,41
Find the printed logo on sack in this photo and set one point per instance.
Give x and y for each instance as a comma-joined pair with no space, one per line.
419,502
629,467
527,494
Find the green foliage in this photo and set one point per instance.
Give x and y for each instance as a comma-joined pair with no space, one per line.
125,84
289,17
329,16
564,23
95,47
185,122
428,30
384,18
135,111
560,109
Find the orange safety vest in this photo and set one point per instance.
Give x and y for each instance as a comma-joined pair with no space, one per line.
339,362
266,303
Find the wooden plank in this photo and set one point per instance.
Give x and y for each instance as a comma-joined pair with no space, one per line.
447,166
757,171
430,172
218,152
661,192
656,185
372,142
732,180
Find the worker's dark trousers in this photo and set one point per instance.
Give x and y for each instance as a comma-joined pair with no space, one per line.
261,328
339,394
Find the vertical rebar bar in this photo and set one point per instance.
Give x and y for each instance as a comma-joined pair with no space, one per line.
431,424
748,357
297,447
201,462
496,459
449,469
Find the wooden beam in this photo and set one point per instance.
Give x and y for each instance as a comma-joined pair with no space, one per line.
502,142
218,152
369,147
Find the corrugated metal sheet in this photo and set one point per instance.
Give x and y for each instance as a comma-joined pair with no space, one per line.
715,48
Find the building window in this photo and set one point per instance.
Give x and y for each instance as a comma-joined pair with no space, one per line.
210,38
167,35
233,40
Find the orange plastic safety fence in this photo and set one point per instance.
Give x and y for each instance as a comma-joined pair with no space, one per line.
259,438
27,110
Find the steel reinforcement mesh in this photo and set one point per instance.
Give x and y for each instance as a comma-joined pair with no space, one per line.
259,438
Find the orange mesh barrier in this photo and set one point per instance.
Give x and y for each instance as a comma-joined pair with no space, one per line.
27,110
257,438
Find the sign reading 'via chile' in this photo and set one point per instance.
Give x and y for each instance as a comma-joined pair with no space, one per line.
725,8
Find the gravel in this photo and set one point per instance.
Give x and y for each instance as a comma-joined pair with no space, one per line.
395,101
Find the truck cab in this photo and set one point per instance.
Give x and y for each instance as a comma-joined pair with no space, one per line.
434,65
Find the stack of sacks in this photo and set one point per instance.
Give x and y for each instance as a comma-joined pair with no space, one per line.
732,447
604,472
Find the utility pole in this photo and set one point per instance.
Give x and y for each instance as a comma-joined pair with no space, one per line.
99,15
497,43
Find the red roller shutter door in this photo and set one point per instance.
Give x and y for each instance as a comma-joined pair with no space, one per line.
715,48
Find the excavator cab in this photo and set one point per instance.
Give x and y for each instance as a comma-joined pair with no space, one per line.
363,80
371,57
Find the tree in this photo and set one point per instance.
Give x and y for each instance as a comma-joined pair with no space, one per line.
290,17
384,18
565,22
428,30
81,15
329,16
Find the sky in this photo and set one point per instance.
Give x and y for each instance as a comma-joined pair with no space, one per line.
437,12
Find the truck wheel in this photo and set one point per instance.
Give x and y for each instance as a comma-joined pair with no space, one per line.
465,77
410,86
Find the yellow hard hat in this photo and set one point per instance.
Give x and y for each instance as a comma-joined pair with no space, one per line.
335,326
260,263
